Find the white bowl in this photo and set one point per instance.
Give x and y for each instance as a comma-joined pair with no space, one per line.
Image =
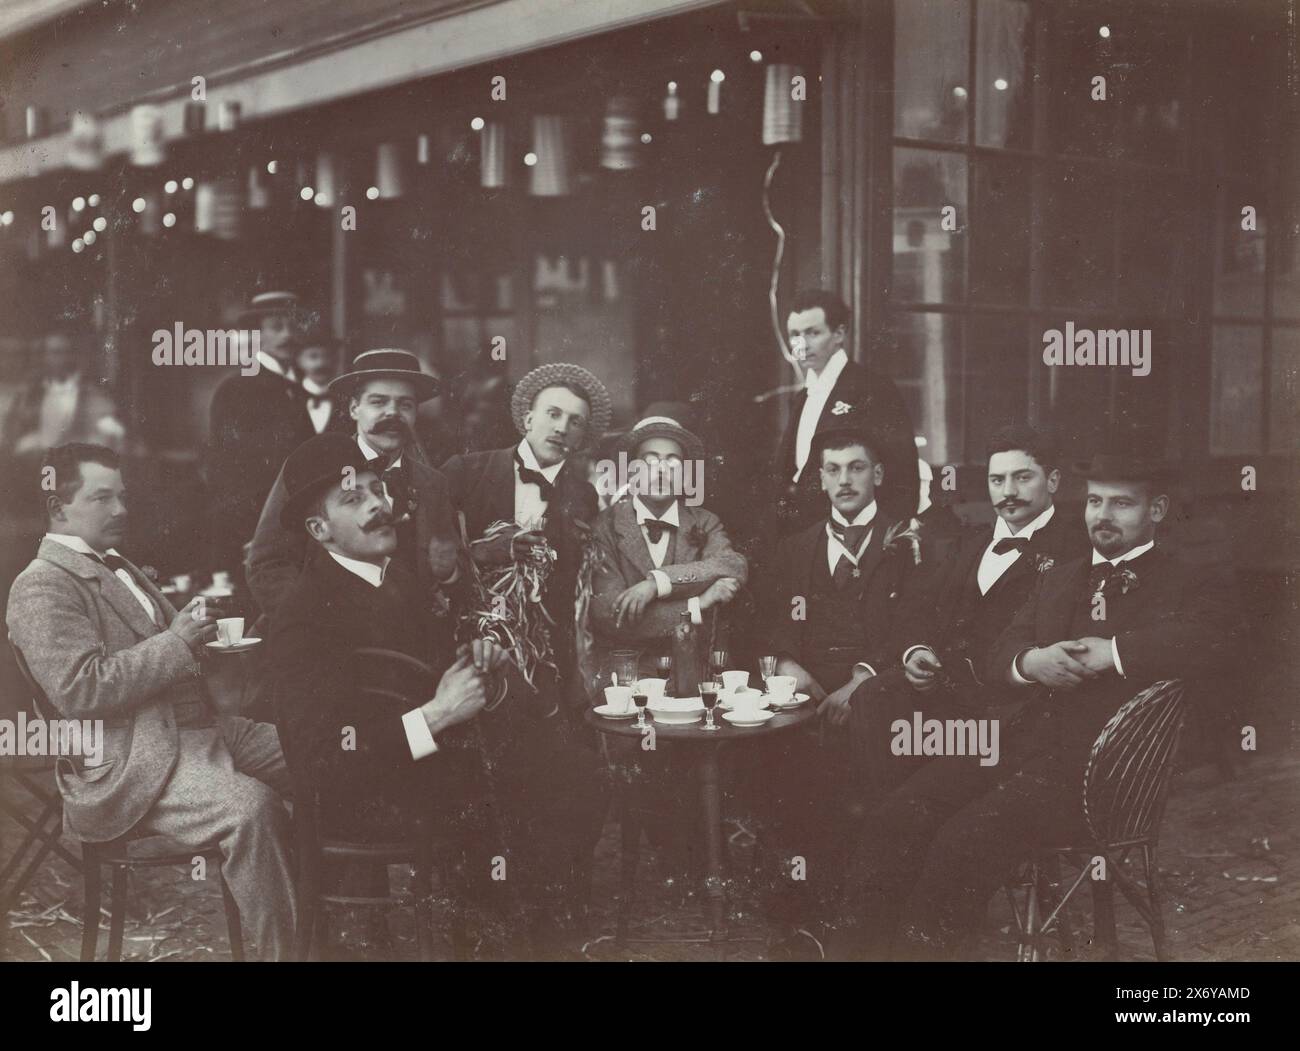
672,711
749,717
651,687
743,700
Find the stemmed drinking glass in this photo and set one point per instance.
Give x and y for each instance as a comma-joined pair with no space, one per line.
709,695
640,698
766,669
718,660
663,667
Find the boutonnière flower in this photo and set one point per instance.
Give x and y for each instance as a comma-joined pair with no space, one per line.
840,408
904,537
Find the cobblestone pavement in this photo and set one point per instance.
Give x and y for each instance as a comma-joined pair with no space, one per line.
1229,854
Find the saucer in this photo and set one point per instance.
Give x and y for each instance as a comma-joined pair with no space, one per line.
755,718
243,644
794,702
608,711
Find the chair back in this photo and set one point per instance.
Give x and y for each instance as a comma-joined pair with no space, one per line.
40,702
1127,777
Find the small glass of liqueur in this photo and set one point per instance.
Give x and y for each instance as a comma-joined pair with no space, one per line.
766,669
640,698
709,695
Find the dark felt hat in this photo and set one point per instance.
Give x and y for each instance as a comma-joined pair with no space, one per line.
1122,467
851,423
386,363
313,467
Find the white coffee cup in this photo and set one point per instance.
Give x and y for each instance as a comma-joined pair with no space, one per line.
221,579
781,687
619,698
230,630
652,688
735,680
183,582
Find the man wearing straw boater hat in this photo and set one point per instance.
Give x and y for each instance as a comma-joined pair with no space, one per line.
664,554
381,392
255,421
1097,631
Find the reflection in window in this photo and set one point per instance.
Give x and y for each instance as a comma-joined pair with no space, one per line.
927,369
931,69
1284,391
928,253
1003,91
1236,391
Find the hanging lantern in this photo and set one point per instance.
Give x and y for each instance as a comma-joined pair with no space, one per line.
618,142
146,136
551,171
85,142
388,171
782,113
326,180
492,156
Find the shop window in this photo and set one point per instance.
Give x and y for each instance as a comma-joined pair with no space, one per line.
929,226
1003,88
931,69
1236,390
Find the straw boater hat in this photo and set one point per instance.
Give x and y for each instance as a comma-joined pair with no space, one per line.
559,374
269,303
662,427
385,364
312,468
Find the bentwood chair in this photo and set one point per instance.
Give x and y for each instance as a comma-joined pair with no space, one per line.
117,855
1125,788
401,682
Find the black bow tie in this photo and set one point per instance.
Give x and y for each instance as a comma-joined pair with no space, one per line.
850,536
316,400
527,474
654,529
1010,543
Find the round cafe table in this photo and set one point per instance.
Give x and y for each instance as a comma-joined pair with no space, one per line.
705,745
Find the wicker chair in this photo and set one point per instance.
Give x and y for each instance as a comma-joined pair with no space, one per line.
1125,787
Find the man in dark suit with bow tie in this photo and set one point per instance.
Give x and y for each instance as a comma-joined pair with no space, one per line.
962,603
255,422
831,597
382,391
818,328
1095,632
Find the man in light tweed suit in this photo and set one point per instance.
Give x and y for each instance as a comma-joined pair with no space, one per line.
103,643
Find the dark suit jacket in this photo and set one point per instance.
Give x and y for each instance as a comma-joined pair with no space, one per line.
887,572
931,616
276,556
1179,622
255,422
865,391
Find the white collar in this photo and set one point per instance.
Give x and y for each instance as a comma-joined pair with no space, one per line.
1001,530
371,454
863,517
644,514
268,362
78,545
367,571
312,387
827,377
1098,558
530,461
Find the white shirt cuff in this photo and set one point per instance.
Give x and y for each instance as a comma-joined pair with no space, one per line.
907,653
662,584
418,737
1015,672
1114,655
693,605
864,666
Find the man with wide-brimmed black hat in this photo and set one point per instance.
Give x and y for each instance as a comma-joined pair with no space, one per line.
830,599
1096,631
255,421
381,391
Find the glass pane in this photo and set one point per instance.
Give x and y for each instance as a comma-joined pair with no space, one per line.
1078,122
1150,59
1079,234
927,369
1236,392
1286,268
931,69
997,376
999,271
1284,391
929,242
1158,261
1239,254
1003,92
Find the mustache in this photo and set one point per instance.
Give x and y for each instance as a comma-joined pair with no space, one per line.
1008,503
391,425
1105,527
381,519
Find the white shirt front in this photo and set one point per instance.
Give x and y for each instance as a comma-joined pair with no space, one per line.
418,738
819,387
320,413
530,508
267,362
1098,558
835,550
659,551
79,545
993,565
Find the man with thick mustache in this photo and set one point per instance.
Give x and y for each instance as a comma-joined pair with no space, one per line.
962,603
382,391
1096,631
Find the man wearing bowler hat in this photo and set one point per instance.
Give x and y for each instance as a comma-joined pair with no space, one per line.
1096,631
255,421
382,391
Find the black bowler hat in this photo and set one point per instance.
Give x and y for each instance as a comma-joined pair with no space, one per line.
386,364
313,467
848,422
1122,467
